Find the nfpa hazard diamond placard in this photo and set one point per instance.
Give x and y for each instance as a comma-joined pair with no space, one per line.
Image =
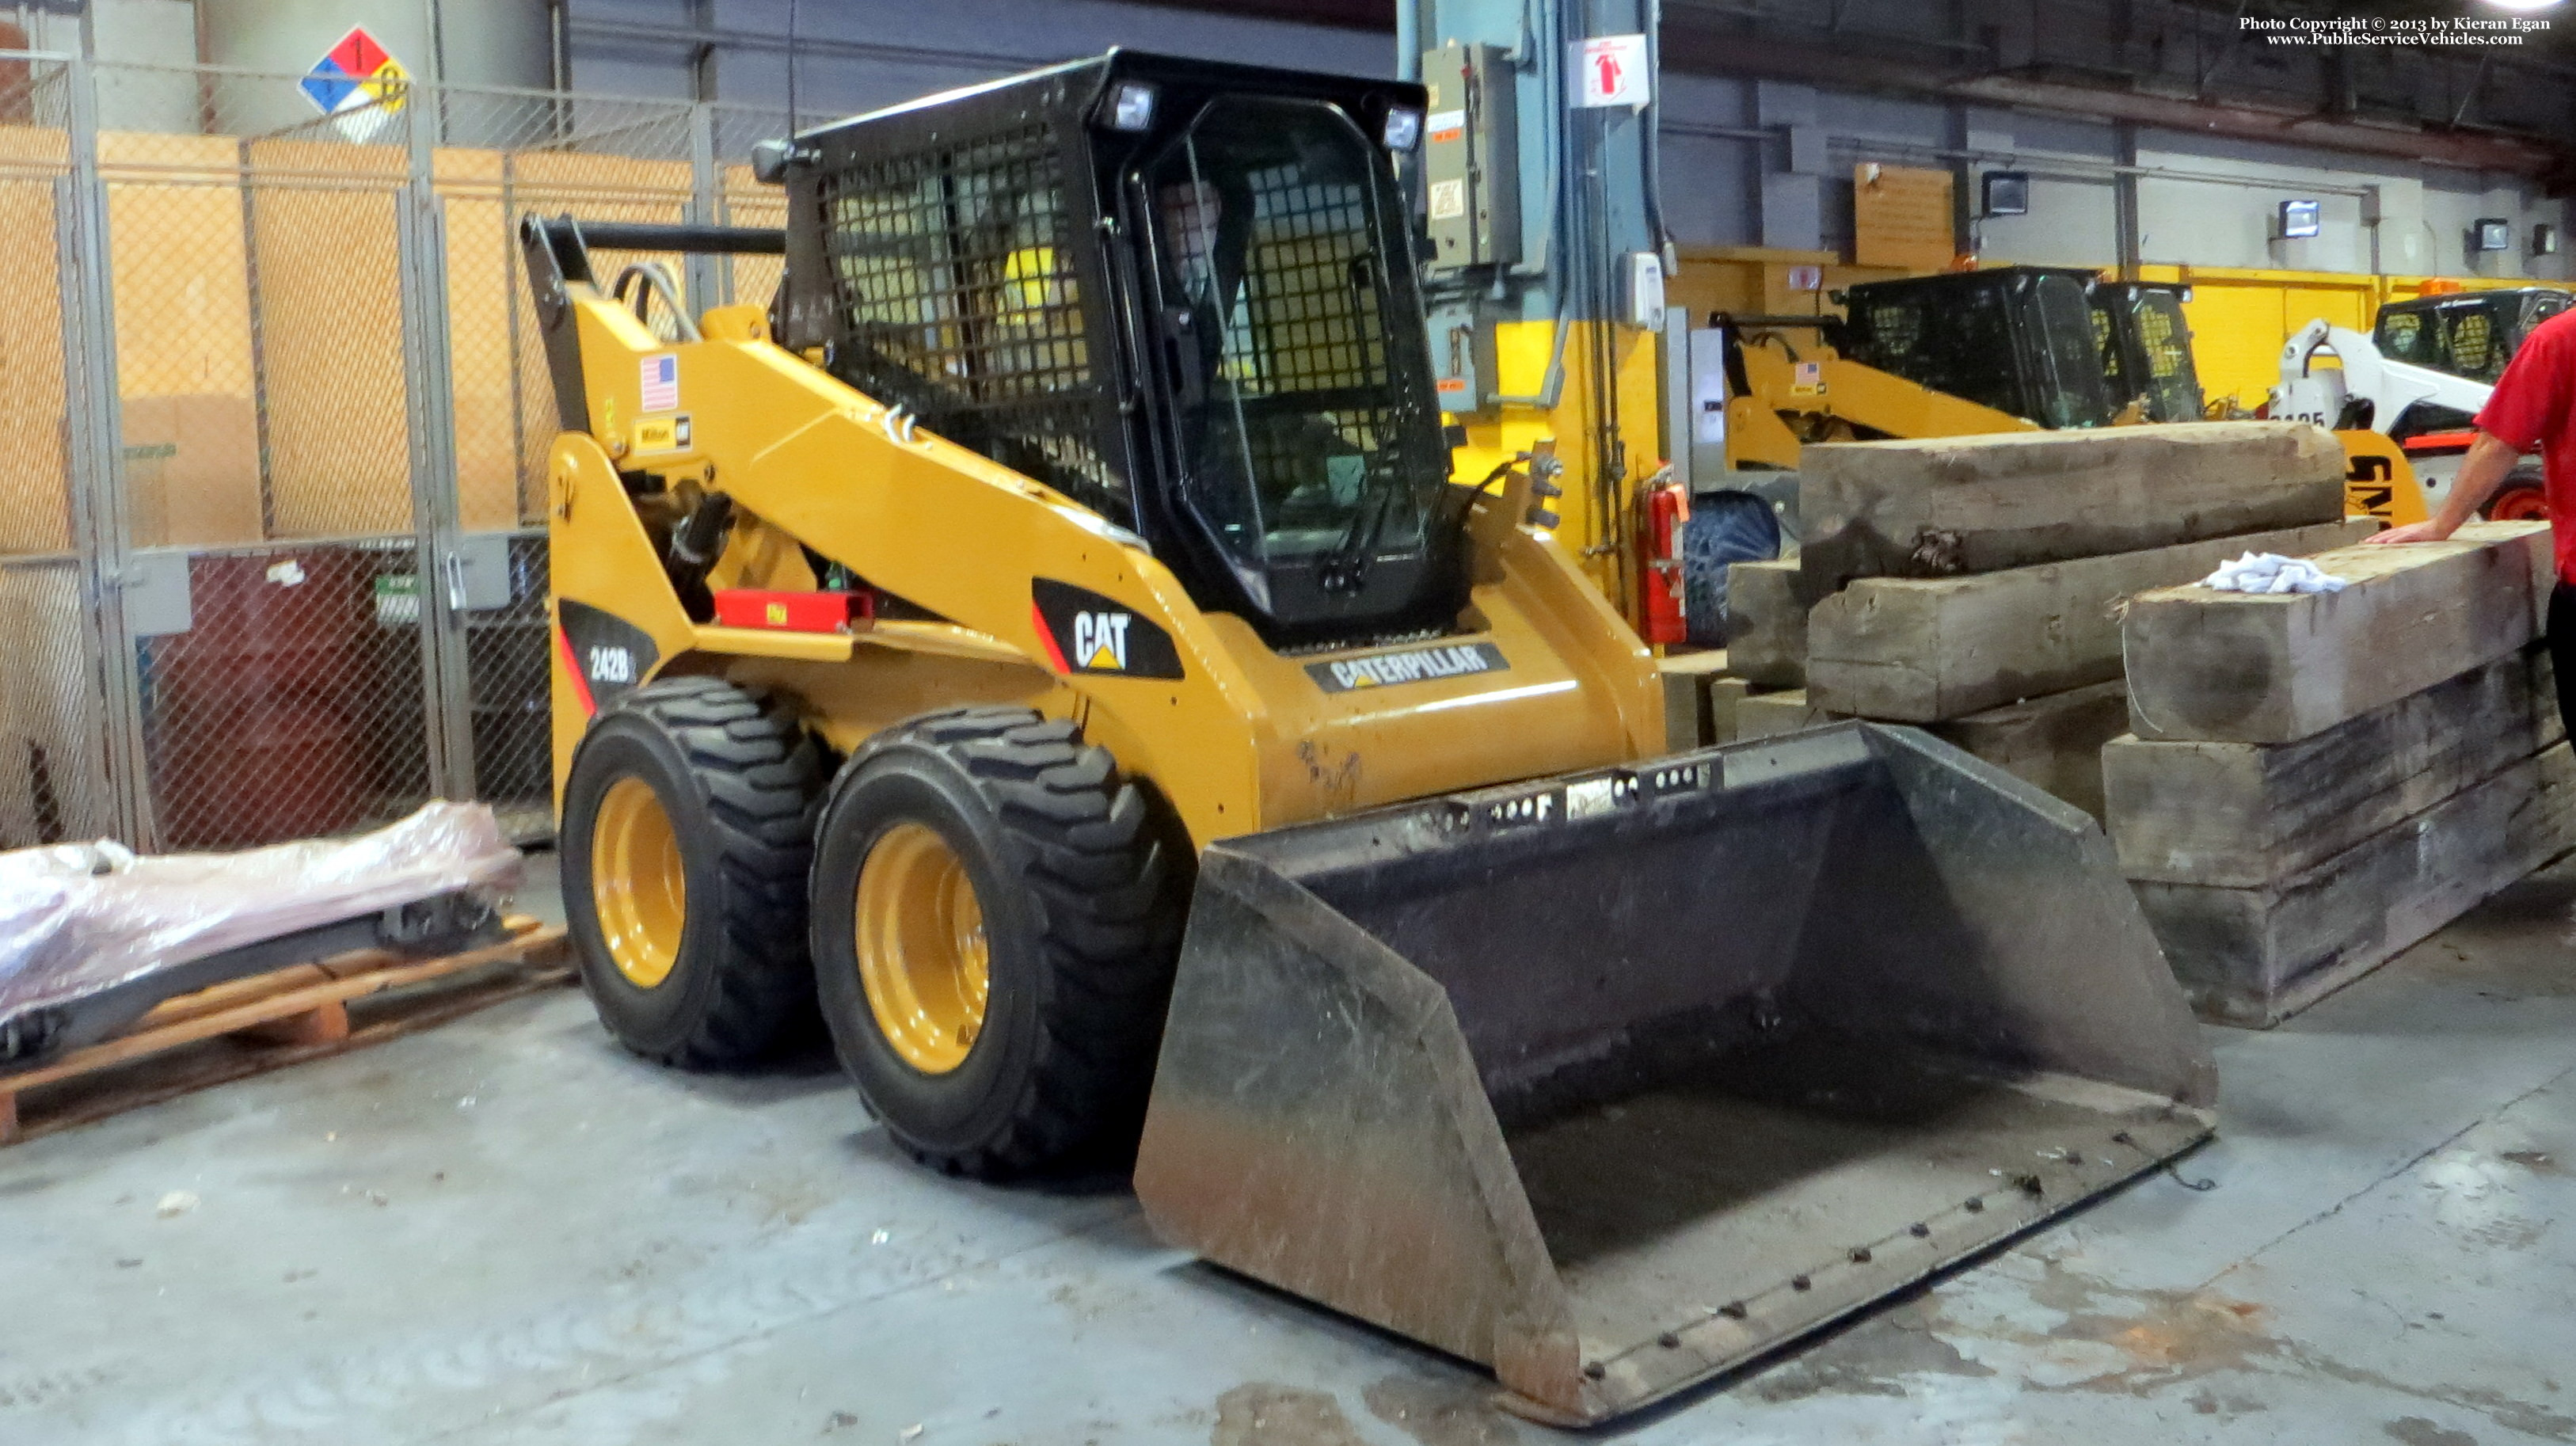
358,84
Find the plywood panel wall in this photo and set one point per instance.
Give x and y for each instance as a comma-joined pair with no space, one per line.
330,336
179,267
263,280
486,320
35,491
175,233
749,203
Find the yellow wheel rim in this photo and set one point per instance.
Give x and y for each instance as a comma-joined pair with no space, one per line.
922,955
638,885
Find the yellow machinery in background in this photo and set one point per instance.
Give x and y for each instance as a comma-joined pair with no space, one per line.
2405,394
2240,317
1998,349
1775,388
2015,348
1798,389
1051,644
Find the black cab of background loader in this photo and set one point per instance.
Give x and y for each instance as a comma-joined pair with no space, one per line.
2469,334
2145,346
1180,292
2055,345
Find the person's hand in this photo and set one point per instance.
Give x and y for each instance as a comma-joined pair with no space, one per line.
2411,532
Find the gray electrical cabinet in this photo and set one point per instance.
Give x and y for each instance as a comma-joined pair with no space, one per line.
1471,157
1703,408
1462,356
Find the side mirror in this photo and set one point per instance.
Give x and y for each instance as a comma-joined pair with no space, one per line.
769,161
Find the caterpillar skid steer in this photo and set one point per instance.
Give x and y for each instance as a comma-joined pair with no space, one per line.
1048,639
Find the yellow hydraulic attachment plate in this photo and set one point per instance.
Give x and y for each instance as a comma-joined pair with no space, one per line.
922,954
638,883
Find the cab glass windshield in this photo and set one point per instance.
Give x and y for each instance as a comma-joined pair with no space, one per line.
1278,244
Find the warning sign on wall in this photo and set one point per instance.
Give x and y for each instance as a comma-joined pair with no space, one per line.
358,85
1901,217
1612,70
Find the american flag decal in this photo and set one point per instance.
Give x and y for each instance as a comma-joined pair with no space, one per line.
661,384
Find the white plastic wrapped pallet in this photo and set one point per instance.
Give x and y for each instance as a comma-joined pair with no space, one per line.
78,918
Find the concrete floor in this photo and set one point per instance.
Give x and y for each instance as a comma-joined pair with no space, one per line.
506,1230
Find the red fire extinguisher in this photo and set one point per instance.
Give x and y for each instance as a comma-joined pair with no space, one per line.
1662,609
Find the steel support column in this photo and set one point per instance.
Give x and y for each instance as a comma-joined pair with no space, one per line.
2126,239
97,455
708,277
430,408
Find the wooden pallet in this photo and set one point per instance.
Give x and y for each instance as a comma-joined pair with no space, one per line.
251,1026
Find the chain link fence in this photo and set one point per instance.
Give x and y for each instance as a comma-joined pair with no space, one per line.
54,773
277,417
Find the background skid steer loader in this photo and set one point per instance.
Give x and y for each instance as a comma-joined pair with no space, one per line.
2404,397
2004,349
1090,506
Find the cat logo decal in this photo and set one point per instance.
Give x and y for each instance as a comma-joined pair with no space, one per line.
1084,632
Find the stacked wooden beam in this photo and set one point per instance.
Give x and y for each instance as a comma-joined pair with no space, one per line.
1972,585
2316,782
1688,679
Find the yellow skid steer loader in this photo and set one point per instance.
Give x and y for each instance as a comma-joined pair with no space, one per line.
1049,641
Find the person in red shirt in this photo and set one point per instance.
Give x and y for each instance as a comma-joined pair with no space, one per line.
2532,408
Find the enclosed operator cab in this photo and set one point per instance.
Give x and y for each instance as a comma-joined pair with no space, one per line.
2465,334
2018,339
1180,293
2145,345
2055,346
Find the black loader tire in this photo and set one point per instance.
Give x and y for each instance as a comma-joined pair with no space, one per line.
1082,886
739,778
2522,497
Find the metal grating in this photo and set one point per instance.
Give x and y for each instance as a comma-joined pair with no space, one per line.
273,316
1304,367
54,779
2473,348
1303,326
954,276
35,473
293,705
506,692
53,765
2168,345
327,362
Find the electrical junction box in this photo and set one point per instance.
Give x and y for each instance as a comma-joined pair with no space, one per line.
1706,394
1471,157
1462,357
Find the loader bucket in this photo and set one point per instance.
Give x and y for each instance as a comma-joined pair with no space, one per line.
1615,1081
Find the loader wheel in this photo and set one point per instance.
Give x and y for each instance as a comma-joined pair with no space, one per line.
687,832
2522,500
996,913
